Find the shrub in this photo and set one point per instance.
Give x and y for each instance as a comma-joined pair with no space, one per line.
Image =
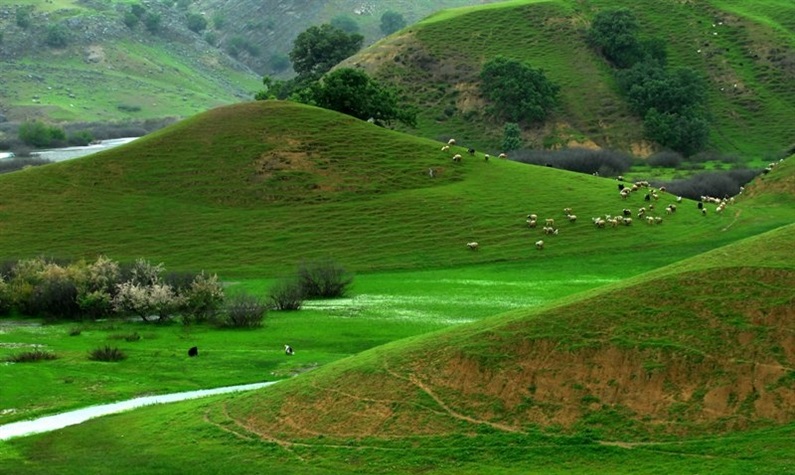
75,331
18,163
152,22
80,138
219,20
286,294
718,184
604,162
147,300
203,298
196,22
38,134
57,36
130,19
243,311
107,353
96,286
5,297
23,16
55,297
391,21
31,356
323,279
613,31
211,38
665,158
345,23
512,137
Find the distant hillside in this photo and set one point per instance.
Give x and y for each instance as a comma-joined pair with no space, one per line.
257,187
78,61
746,50
702,347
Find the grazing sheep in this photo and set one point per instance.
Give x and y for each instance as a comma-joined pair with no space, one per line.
678,199
532,216
668,209
193,351
451,142
620,178
627,212
539,245
599,222
572,218
503,156
445,148
700,205
431,173
566,211
532,223
288,350
472,246
620,187
627,221
657,220
703,211
486,157
550,222
650,219
647,197
457,157
471,151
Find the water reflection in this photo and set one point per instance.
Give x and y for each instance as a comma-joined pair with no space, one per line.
59,421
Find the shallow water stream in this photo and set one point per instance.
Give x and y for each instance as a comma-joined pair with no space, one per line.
59,421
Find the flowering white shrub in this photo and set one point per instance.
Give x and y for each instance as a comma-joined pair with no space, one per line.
146,300
204,297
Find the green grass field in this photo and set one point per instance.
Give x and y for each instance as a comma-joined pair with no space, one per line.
430,365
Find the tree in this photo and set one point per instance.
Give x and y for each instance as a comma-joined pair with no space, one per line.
392,21
38,134
152,22
196,22
685,131
518,91
512,137
57,35
614,33
345,23
319,48
353,92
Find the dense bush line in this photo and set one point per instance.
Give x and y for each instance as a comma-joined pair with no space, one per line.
717,184
581,160
91,290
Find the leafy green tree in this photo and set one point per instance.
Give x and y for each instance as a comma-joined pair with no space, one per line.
685,132
23,16
138,10
219,20
392,21
39,134
152,22
345,23
279,62
614,32
518,92
320,48
196,22
353,92
130,20
57,35
512,137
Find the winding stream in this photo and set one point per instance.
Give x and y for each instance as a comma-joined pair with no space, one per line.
59,421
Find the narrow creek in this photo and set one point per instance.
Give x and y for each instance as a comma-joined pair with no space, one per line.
78,416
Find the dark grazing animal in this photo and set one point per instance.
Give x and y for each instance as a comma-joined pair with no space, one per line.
194,351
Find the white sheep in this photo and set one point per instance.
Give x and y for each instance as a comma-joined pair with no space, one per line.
532,216
473,246
572,218
457,157
540,245
550,222
486,157
503,156
445,148
532,223
451,142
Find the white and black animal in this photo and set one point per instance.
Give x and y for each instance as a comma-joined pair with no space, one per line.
473,246
288,350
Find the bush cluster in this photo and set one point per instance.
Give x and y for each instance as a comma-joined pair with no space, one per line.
517,91
91,290
106,353
31,356
581,160
717,184
242,311
317,279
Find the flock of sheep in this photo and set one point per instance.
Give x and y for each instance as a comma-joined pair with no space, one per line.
647,213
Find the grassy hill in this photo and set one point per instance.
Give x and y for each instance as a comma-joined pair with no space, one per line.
747,58
682,370
252,189
103,70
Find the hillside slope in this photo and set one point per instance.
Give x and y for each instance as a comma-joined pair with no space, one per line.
260,186
705,347
747,58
